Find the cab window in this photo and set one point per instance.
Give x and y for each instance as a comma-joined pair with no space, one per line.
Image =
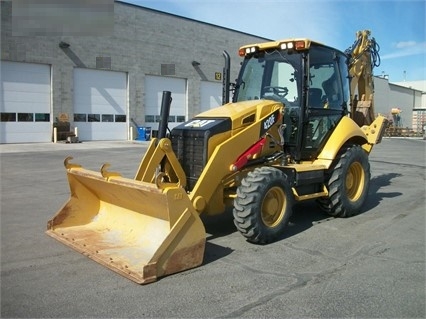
325,85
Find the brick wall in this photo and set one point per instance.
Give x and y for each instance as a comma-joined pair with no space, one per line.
142,40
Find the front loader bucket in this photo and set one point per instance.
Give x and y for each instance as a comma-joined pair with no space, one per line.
129,226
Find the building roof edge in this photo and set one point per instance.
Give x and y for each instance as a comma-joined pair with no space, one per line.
189,19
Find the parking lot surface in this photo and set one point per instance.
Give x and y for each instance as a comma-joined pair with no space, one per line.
369,265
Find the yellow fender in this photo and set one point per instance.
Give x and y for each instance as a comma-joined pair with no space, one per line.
366,136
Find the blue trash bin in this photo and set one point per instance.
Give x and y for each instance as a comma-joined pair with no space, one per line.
144,133
147,133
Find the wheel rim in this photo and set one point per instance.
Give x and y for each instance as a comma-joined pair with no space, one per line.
273,207
355,181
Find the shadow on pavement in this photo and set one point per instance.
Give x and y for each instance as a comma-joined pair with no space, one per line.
305,215
376,184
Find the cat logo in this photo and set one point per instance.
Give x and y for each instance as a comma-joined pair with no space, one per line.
199,123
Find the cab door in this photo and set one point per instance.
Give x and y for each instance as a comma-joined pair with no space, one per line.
326,99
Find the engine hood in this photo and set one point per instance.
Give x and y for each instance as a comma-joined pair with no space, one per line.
242,113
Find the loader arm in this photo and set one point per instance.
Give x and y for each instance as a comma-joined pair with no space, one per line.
160,166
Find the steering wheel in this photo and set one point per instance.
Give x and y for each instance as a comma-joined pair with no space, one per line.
277,90
276,93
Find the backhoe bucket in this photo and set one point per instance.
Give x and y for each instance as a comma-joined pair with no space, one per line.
131,227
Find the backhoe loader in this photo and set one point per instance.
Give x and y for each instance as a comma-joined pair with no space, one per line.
295,130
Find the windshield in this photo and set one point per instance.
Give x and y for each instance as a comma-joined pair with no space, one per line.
270,75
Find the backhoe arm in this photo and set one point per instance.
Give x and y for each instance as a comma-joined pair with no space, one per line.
363,57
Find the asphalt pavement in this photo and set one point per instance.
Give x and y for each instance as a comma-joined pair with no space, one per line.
368,266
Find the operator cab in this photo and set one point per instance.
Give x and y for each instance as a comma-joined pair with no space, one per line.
308,78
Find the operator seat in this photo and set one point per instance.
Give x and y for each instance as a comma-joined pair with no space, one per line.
331,89
315,97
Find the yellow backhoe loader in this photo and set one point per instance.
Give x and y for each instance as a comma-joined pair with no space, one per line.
289,134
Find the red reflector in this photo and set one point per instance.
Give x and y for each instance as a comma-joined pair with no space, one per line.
247,155
300,45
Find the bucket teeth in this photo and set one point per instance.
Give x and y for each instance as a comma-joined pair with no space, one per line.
107,174
69,165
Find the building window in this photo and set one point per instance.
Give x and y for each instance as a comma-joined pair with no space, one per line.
120,118
150,118
80,117
107,118
93,117
180,118
25,117
42,117
8,117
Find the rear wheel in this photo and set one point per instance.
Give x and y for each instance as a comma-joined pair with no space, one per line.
263,205
348,183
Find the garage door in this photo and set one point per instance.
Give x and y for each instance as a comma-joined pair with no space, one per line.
100,105
25,103
154,87
211,95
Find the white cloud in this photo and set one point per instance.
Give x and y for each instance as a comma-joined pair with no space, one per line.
407,48
405,44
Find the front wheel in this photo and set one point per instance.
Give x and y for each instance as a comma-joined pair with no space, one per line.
263,205
348,183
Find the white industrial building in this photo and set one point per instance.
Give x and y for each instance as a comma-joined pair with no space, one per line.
406,98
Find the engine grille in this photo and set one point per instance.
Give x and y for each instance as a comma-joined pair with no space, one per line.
190,148
190,144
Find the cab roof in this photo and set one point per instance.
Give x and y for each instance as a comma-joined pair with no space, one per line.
297,44
277,43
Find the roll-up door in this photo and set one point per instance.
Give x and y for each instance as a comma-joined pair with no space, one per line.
154,87
25,103
100,104
211,95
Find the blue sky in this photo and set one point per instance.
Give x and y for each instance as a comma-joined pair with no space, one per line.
397,26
